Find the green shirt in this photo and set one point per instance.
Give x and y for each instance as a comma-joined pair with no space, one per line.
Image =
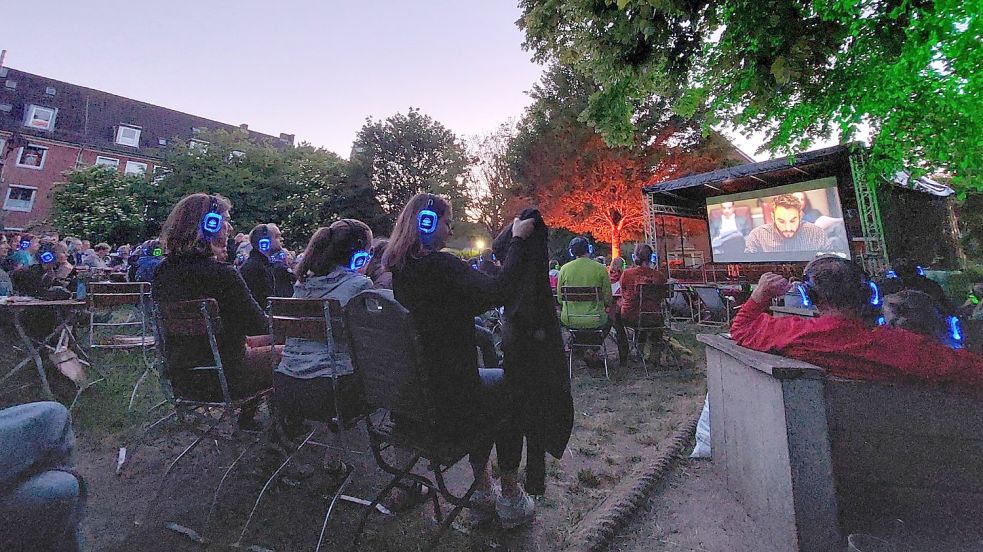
584,272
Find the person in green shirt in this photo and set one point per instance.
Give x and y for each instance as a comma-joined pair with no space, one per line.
584,272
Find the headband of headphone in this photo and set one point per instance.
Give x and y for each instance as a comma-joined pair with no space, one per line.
426,219
956,331
264,243
360,256
47,254
579,239
653,258
211,223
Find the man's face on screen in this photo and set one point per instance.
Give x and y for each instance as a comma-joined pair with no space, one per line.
728,208
787,221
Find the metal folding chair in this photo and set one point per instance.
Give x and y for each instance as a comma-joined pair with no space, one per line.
713,309
194,320
319,320
591,338
104,298
397,390
653,300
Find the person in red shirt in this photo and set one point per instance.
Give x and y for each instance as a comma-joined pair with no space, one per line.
840,340
626,313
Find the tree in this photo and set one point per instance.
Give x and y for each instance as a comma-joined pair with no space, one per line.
794,70
492,188
99,204
582,184
407,154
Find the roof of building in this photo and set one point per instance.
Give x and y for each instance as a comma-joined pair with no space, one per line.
90,117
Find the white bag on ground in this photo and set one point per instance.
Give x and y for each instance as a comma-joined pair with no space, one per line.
702,448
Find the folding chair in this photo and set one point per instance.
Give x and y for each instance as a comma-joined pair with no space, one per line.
198,319
653,300
591,338
316,320
397,391
713,308
105,298
680,304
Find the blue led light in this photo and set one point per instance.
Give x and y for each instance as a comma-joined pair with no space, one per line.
890,274
805,296
955,329
47,257
881,321
654,258
24,244
875,298
211,224
359,259
264,244
920,270
426,220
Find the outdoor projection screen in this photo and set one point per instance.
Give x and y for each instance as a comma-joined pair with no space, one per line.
790,223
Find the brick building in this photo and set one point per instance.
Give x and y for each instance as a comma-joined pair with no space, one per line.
48,127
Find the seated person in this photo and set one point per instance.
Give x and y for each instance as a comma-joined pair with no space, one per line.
917,312
24,251
908,275
582,272
43,497
303,385
486,263
99,259
627,314
190,271
151,255
259,271
727,232
973,307
788,231
839,339
616,269
50,277
554,273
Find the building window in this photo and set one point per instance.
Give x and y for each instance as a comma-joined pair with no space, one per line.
198,145
160,173
128,136
107,162
40,118
19,198
135,168
32,157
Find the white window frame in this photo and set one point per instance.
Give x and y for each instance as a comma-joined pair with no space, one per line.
123,142
32,109
44,157
140,169
198,145
6,199
3,146
103,161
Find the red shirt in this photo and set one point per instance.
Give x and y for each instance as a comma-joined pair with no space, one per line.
849,349
629,290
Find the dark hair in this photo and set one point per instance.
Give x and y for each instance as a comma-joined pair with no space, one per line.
837,282
405,240
181,233
917,312
579,246
788,201
258,232
333,246
643,254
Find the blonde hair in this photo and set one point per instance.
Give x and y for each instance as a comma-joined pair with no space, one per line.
181,233
405,239
332,246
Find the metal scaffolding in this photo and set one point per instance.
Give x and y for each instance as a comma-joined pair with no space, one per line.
875,258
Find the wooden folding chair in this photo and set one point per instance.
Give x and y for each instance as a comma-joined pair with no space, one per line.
652,317
590,338
397,389
319,320
104,298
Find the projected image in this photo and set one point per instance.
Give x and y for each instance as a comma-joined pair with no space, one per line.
789,223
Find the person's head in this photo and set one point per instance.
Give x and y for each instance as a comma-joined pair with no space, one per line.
554,264
265,238
373,268
424,226
978,290
187,230
803,199
27,242
333,246
579,247
4,247
835,283
487,256
240,237
727,208
642,255
787,215
152,248
101,249
907,268
86,245
617,264
51,255
916,312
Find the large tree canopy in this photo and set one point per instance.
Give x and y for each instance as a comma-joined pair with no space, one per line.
797,71
492,186
407,154
99,204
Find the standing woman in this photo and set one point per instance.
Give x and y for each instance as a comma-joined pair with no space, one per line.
194,239
443,295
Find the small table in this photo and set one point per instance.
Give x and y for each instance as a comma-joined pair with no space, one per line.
64,310
794,311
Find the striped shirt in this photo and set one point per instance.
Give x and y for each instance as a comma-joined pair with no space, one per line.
767,239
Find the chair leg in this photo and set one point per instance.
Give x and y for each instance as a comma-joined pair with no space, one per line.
375,501
334,500
463,502
122,455
136,387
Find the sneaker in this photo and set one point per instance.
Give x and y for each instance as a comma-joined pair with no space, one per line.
484,505
515,512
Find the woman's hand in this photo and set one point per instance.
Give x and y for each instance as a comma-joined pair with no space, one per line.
522,229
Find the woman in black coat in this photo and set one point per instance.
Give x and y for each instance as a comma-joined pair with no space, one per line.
535,368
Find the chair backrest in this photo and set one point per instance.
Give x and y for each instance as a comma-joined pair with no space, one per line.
102,295
652,300
573,294
386,359
308,319
198,318
710,296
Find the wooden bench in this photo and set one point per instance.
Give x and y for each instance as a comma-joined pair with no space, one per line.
807,453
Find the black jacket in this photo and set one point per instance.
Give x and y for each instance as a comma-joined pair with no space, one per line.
535,365
443,295
266,279
187,277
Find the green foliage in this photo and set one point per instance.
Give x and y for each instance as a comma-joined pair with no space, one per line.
407,154
99,204
492,191
797,71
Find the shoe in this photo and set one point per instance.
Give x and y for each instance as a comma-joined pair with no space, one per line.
483,506
515,512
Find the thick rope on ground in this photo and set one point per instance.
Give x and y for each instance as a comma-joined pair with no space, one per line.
596,531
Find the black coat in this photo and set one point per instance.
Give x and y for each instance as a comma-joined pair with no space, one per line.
535,364
266,279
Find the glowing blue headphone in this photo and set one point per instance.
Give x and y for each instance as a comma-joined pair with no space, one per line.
920,271
653,258
360,257
426,219
956,331
24,244
875,297
211,223
804,292
590,246
47,256
265,242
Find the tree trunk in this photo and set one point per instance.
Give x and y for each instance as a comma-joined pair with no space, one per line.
615,240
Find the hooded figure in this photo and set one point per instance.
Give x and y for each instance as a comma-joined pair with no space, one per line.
535,366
